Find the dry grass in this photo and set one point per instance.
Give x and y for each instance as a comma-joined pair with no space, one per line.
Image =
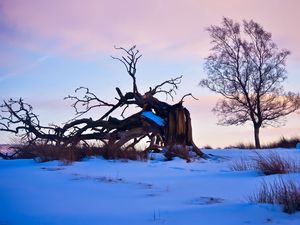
44,153
67,155
109,152
267,163
241,146
283,192
272,163
284,143
281,143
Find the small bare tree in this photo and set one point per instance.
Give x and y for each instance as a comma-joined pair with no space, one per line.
248,72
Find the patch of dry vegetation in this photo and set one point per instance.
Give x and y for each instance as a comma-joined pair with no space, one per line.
267,163
131,153
241,146
274,163
66,154
47,152
283,192
283,142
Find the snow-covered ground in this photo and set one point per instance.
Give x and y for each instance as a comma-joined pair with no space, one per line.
100,192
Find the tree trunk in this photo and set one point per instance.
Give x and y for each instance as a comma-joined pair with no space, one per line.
179,140
176,129
256,136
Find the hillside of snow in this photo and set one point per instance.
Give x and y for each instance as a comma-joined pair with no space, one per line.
115,192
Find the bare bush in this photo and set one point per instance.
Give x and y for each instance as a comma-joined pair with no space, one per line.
283,192
273,163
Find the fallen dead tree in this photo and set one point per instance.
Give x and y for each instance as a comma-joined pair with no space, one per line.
164,125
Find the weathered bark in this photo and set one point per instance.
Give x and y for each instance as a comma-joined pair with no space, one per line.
179,130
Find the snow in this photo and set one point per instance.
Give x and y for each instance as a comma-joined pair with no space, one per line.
158,120
97,191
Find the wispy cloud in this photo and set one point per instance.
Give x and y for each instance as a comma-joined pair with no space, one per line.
175,27
23,69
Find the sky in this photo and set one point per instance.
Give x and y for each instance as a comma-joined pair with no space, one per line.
49,48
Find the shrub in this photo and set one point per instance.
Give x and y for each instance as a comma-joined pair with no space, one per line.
283,192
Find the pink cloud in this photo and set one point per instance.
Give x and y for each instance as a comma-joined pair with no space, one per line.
174,27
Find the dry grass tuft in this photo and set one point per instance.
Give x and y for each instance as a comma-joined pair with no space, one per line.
283,192
267,163
273,163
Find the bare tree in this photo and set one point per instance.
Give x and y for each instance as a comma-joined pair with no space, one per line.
165,126
248,72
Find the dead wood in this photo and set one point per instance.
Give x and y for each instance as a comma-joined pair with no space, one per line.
163,124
